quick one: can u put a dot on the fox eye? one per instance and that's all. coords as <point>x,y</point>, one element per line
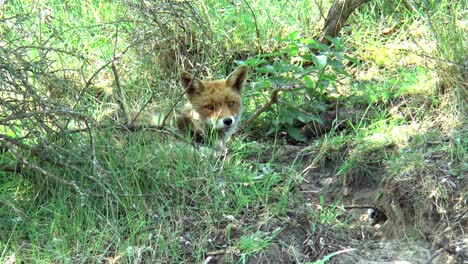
<point>231,103</point>
<point>209,107</point>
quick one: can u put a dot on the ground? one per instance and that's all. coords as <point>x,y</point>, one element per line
<point>299,242</point>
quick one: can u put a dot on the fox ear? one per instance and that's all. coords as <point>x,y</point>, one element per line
<point>236,80</point>
<point>191,84</point>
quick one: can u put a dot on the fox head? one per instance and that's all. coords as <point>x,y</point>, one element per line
<point>217,102</point>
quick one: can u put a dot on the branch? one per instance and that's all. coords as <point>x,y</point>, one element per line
<point>178,99</point>
<point>273,100</point>
<point>337,16</point>
<point>23,115</point>
<point>257,31</point>
<point>115,58</point>
<point>34,167</point>
<point>121,99</point>
<point>10,142</point>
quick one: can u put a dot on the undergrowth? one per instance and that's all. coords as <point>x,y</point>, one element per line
<point>72,190</point>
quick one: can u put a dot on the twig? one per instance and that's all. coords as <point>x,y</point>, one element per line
<point>207,260</point>
<point>320,8</point>
<point>39,154</point>
<point>257,31</point>
<point>107,126</point>
<point>158,128</point>
<point>437,253</point>
<point>23,160</point>
<point>116,57</point>
<point>141,109</point>
<point>410,7</point>
<point>12,169</point>
<point>121,100</point>
<point>166,117</point>
<point>71,53</point>
<point>216,252</point>
<point>181,95</point>
<point>23,115</point>
<point>17,210</point>
<point>273,100</point>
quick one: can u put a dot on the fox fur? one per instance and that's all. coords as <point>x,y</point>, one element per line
<point>213,110</point>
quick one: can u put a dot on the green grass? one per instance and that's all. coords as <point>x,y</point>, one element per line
<point>159,196</point>
<point>255,243</point>
<point>160,199</point>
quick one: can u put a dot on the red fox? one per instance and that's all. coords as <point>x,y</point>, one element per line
<point>212,112</point>
<point>215,107</point>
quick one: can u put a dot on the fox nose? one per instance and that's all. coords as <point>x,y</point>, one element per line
<point>228,121</point>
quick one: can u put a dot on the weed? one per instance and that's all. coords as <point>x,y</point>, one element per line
<point>255,242</point>
<point>305,78</point>
<point>329,256</point>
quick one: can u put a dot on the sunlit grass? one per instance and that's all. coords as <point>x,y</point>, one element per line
<point>166,200</point>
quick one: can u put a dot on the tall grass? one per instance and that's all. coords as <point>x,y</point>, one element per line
<point>153,198</point>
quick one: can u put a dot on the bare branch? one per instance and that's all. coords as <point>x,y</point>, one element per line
<point>273,100</point>
<point>337,16</point>
<point>50,175</point>
<point>121,100</point>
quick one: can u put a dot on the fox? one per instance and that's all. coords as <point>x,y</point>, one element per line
<point>213,109</point>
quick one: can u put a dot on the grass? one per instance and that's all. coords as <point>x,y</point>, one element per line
<point>254,243</point>
<point>155,198</point>
<point>159,199</point>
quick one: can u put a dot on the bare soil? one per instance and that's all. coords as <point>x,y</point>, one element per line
<point>301,241</point>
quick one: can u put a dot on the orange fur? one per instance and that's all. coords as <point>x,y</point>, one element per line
<point>214,107</point>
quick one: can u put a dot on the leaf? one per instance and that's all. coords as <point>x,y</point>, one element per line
<point>352,59</point>
<point>320,106</point>
<point>308,41</point>
<point>266,69</point>
<point>337,66</point>
<point>309,81</point>
<point>292,50</point>
<point>263,83</point>
<point>318,46</point>
<point>306,118</point>
<point>288,116</point>
<point>320,61</point>
<point>337,41</point>
<point>293,36</point>
<point>252,62</point>
<point>282,67</point>
<point>296,134</point>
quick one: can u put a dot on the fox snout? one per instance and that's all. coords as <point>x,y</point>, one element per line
<point>226,123</point>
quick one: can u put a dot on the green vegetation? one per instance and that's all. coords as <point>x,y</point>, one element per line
<point>76,189</point>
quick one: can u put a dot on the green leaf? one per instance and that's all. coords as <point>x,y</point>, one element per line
<point>296,134</point>
<point>252,62</point>
<point>318,46</point>
<point>309,81</point>
<point>266,69</point>
<point>320,106</point>
<point>292,50</point>
<point>293,36</point>
<point>337,66</point>
<point>320,61</point>
<point>288,116</point>
<point>306,118</point>
<point>351,59</point>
